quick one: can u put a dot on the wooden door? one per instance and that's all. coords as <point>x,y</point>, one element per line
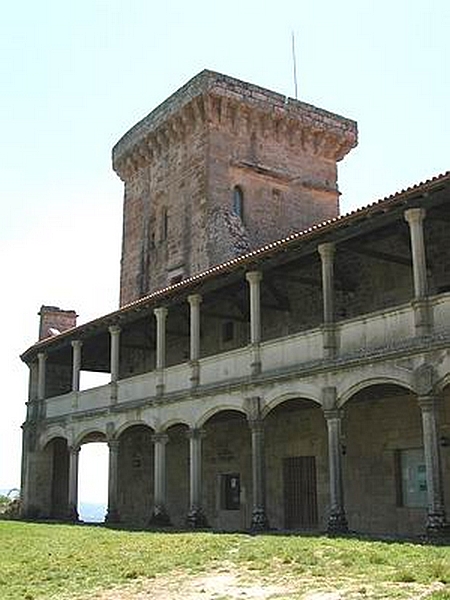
<point>300,492</point>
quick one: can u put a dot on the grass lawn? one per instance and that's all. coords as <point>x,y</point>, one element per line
<point>66,562</point>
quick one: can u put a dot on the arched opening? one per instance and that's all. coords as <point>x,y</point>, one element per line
<point>444,444</point>
<point>93,481</point>
<point>58,462</point>
<point>177,469</point>
<point>297,489</point>
<point>383,463</point>
<point>227,470</point>
<point>136,475</point>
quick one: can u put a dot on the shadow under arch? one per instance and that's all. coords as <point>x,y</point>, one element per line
<point>381,445</point>
<point>45,439</point>
<point>288,398</point>
<point>56,452</point>
<point>135,473</point>
<point>295,439</point>
<point>171,423</point>
<point>212,412</point>
<point>390,384</point>
<point>130,424</point>
<point>90,436</point>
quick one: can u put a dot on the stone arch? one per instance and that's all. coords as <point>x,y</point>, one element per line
<point>286,397</point>
<point>48,436</point>
<point>359,386</point>
<point>135,473</point>
<point>128,424</point>
<point>227,473</point>
<point>443,383</point>
<point>166,425</point>
<point>177,471</point>
<point>209,414</point>
<point>296,456</point>
<point>89,435</point>
<point>381,430</point>
<point>57,450</point>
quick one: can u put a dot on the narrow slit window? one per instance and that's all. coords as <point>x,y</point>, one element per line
<point>164,224</point>
<point>238,202</point>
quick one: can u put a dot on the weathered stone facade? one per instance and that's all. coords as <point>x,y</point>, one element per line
<point>183,163</point>
<point>302,385</point>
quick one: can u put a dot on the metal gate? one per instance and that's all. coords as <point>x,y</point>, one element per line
<point>300,492</point>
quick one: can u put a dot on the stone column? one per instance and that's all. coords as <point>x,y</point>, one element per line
<point>160,516</point>
<point>436,518</point>
<point>74,453</point>
<point>112,514</point>
<point>114,332</point>
<point>326,251</point>
<point>161,316</point>
<point>254,280</point>
<point>414,218</point>
<point>42,357</point>
<point>259,518</point>
<point>194,304</point>
<point>337,521</point>
<point>195,518</point>
<point>76,364</point>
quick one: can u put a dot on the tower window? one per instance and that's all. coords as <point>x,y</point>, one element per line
<point>164,224</point>
<point>238,202</point>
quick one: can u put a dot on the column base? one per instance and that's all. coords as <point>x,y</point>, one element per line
<point>195,373</point>
<point>159,518</point>
<point>337,523</point>
<point>73,515</point>
<point>112,516</point>
<point>260,521</point>
<point>329,340</point>
<point>437,526</point>
<point>196,519</point>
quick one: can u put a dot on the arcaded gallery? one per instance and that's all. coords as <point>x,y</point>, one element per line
<point>272,365</point>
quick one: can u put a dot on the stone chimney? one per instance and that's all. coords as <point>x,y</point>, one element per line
<point>55,320</point>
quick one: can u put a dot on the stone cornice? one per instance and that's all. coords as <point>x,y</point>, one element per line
<point>213,98</point>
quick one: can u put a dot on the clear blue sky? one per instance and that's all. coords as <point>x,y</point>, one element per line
<point>76,75</point>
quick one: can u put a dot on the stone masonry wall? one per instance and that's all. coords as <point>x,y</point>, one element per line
<point>182,162</point>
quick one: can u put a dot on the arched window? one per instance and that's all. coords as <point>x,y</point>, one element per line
<point>238,202</point>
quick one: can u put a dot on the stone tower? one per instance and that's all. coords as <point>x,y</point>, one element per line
<point>219,168</point>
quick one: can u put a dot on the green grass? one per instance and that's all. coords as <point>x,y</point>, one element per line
<point>62,561</point>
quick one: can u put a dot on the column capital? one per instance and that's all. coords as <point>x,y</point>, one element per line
<point>74,449</point>
<point>326,251</point>
<point>160,312</point>
<point>76,344</point>
<point>428,402</point>
<point>195,433</point>
<point>194,299</point>
<point>160,438</point>
<point>256,424</point>
<point>114,329</point>
<point>414,215</point>
<point>331,414</point>
<point>252,407</point>
<point>42,356</point>
<point>113,445</point>
<point>253,277</point>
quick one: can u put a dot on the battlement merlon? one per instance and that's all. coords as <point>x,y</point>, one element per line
<point>210,95</point>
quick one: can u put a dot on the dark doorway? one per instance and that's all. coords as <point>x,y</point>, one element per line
<point>300,492</point>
